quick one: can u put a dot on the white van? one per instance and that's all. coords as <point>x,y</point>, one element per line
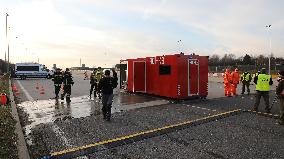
<point>31,70</point>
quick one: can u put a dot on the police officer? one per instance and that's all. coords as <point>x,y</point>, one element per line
<point>67,82</point>
<point>57,79</point>
<point>99,75</point>
<point>106,86</point>
<point>280,93</point>
<point>246,79</point>
<point>263,82</point>
<point>93,83</point>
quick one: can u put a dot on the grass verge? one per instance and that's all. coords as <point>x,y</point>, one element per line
<point>8,138</point>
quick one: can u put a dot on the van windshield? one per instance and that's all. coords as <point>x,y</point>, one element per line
<point>27,68</point>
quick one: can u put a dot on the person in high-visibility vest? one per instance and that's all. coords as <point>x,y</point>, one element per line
<point>227,83</point>
<point>246,79</point>
<point>99,76</point>
<point>280,93</point>
<point>235,81</point>
<point>263,82</point>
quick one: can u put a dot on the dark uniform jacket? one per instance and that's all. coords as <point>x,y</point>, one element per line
<point>57,78</point>
<point>107,84</point>
<point>93,79</point>
<point>280,88</point>
<point>67,78</point>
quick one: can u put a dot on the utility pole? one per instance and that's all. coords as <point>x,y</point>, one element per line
<point>80,63</point>
<point>8,61</point>
<point>269,56</point>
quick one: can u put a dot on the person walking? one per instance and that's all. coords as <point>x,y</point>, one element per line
<point>106,86</point>
<point>67,82</point>
<point>93,83</point>
<point>57,79</point>
<point>235,81</point>
<point>280,94</point>
<point>227,83</point>
<point>99,75</point>
<point>263,82</point>
<point>246,79</point>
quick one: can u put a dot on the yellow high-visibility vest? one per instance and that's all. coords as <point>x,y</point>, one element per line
<point>263,82</point>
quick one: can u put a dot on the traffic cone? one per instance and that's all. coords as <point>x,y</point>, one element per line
<point>17,93</point>
<point>14,88</point>
<point>42,90</point>
<point>37,87</point>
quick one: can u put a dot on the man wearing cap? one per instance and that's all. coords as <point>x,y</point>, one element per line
<point>57,79</point>
<point>235,81</point>
<point>246,79</point>
<point>280,93</point>
<point>67,82</point>
<point>263,82</point>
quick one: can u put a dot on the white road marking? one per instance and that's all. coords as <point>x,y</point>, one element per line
<point>56,129</point>
<point>29,97</point>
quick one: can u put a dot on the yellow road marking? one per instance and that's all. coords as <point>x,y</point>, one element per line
<point>137,134</point>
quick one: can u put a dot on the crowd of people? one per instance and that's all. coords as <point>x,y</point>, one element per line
<point>102,85</point>
<point>262,81</point>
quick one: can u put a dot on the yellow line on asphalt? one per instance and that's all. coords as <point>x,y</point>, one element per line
<point>138,134</point>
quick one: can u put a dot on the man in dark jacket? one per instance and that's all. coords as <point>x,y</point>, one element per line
<point>280,93</point>
<point>106,86</point>
<point>67,82</point>
<point>246,79</point>
<point>93,83</point>
<point>57,79</point>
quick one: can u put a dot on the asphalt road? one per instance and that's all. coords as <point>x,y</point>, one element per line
<point>54,127</point>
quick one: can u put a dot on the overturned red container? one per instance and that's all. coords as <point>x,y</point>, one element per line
<point>175,76</point>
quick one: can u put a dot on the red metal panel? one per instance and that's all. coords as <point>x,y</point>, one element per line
<point>203,61</point>
<point>139,76</point>
<point>168,83</point>
<point>151,75</point>
<point>130,75</point>
<point>182,75</point>
<point>193,76</point>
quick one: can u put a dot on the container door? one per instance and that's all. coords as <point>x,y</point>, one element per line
<point>139,73</point>
<point>193,77</point>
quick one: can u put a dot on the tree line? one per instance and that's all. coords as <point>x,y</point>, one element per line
<point>231,60</point>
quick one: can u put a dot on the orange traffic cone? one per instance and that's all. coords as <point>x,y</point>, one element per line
<point>42,90</point>
<point>17,93</point>
<point>37,87</point>
<point>14,88</point>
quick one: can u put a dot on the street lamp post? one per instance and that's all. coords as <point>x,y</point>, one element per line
<point>269,56</point>
<point>179,42</point>
<point>8,60</point>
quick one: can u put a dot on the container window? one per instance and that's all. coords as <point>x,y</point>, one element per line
<point>165,69</point>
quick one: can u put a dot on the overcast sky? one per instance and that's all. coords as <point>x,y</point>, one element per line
<point>101,32</point>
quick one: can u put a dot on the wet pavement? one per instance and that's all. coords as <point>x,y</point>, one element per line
<point>55,125</point>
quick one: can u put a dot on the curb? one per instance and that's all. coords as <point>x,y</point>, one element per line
<point>23,152</point>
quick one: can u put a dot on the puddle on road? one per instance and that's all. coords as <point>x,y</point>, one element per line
<point>45,111</point>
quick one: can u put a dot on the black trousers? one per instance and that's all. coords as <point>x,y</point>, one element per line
<point>245,84</point>
<point>265,95</point>
<point>57,89</point>
<point>107,102</point>
<point>94,87</point>
<point>66,91</point>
